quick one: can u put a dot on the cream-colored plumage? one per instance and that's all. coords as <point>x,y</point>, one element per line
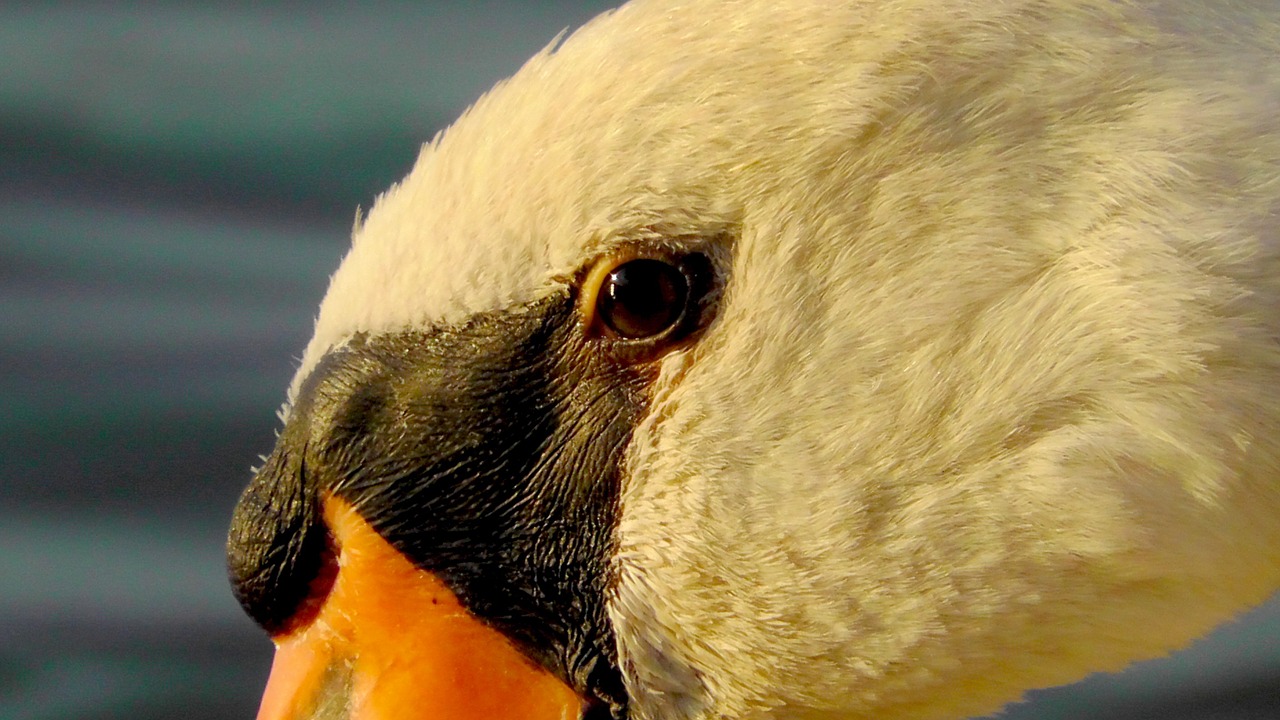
<point>990,401</point>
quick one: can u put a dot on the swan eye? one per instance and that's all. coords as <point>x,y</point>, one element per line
<point>642,298</point>
<point>640,303</point>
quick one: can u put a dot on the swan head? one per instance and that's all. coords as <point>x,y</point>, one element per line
<point>803,360</point>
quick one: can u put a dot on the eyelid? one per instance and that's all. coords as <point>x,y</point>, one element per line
<point>591,285</point>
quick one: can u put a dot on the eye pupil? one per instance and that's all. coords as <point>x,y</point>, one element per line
<point>642,298</point>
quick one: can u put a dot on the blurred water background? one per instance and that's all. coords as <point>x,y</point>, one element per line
<point>177,181</point>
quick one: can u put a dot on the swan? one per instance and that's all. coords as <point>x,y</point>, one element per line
<point>793,359</point>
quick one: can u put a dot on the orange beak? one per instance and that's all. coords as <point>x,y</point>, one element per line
<point>390,642</point>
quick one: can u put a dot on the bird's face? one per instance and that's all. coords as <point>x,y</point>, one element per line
<point>769,360</point>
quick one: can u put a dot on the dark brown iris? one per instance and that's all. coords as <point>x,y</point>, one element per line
<point>642,298</point>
